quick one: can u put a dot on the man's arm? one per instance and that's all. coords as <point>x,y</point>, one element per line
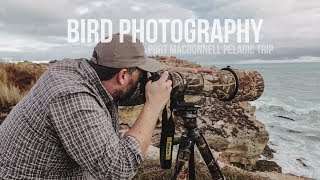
<point>86,132</point>
<point>157,94</point>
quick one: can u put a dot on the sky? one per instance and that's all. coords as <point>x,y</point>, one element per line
<point>37,29</point>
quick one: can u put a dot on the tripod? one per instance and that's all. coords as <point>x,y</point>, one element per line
<point>191,137</point>
<point>188,112</point>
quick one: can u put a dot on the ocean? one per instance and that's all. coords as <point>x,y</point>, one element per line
<point>292,90</point>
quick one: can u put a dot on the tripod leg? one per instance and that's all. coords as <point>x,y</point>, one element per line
<point>192,168</point>
<point>209,158</point>
<point>183,155</point>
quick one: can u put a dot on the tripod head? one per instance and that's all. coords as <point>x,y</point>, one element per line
<point>188,112</point>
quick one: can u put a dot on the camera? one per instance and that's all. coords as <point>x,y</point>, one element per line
<point>226,84</point>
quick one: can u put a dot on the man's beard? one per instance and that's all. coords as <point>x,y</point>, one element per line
<point>125,93</point>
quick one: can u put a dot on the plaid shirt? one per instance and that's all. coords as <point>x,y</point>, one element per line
<point>65,127</point>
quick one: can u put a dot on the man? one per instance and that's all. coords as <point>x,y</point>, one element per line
<point>67,125</point>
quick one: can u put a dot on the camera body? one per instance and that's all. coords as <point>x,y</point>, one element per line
<point>155,76</point>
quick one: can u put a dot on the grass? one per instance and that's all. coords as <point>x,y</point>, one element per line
<point>15,81</point>
<point>9,96</point>
<point>150,169</point>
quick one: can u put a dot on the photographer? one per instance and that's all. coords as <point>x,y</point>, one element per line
<point>66,127</point>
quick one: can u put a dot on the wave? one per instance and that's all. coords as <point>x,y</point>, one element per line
<point>305,59</point>
<point>275,105</point>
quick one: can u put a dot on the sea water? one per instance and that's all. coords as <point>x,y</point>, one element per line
<point>291,90</point>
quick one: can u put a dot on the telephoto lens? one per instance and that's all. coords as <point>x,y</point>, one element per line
<point>226,84</point>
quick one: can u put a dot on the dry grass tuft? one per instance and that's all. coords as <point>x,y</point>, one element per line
<point>15,81</point>
<point>150,169</point>
<point>9,96</point>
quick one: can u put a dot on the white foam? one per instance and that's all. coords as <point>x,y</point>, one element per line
<point>292,105</point>
<point>295,144</point>
<point>40,61</point>
<point>305,59</point>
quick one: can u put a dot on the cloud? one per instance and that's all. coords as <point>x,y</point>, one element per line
<point>291,26</point>
<point>37,29</point>
<point>40,25</point>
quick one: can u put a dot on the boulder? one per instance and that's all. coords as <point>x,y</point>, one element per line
<point>269,166</point>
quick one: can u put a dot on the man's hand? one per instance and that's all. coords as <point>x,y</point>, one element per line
<point>158,92</point>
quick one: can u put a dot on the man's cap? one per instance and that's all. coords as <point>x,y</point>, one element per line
<point>126,54</point>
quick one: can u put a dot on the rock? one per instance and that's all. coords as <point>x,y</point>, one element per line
<point>243,137</point>
<point>293,131</point>
<point>269,166</point>
<point>281,176</point>
<point>268,152</point>
<point>301,162</point>
<point>284,117</point>
<point>53,61</point>
<point>128,115</point>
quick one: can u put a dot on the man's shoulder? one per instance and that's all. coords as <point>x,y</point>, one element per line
<point>68,76</point>
<point>67,65</point>
<point>69,71</point>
